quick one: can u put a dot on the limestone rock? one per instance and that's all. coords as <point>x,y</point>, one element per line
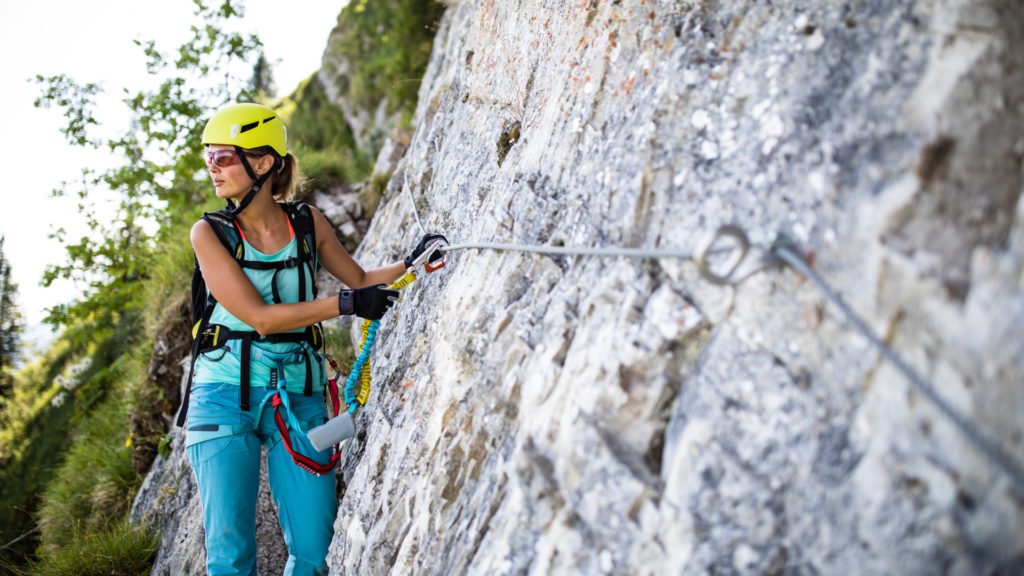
<point>537,414</point>
<point>575,415</point>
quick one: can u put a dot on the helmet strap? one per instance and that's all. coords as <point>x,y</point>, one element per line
<point>259,182</point>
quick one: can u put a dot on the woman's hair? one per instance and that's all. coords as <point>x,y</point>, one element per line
<point>287,181</point>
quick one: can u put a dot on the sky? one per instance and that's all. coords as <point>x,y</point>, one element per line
<point>92,42</point>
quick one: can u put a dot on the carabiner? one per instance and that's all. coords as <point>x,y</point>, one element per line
<point>423,258</point>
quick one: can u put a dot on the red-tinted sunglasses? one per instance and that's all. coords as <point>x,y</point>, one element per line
<point>224,158</point>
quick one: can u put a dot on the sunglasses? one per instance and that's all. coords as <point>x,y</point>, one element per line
<point>224,158</point>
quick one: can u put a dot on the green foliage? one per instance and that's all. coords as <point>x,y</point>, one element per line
<point>10,325</point>
<point>81,505</point>
<point>32,436</point>
<point>170,269</point>
<point>121,550</point>
<point>313,121</point>
<point>87,495</point>
<point>338,343</point>
<point>321,138</point>
<point>323,169</point>
<point>262,82</point>
<point>371,195</point>
<point>388,43</point>
<point>76,101</point>
<point>158,180</point>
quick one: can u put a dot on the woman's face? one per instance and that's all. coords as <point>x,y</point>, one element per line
<point>227,173</point>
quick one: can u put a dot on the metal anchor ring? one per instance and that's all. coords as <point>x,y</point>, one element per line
<point>739,261</point>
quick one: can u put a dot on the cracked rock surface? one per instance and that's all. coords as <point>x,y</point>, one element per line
<point>561,414</point>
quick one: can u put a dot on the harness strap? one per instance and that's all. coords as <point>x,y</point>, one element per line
<point>183,411</point>
<point>197,341</point>
<point>246,369</point>
<point>275,294</point>
<point>302,461</point>
<point>307,390</point>
<point>222,335</point>
<point>204,432</point>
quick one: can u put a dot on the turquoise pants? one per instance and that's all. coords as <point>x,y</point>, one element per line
<point>224,451</point>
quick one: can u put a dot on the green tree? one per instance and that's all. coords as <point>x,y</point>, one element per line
<point>262,82</point>
<point>10,324</point>
<point>158,196</point>
<point>156,186</point>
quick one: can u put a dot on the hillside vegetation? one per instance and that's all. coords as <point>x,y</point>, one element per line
<point>84,421</point>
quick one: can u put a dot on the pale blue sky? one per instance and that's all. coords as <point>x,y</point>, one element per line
<point>92,42</point>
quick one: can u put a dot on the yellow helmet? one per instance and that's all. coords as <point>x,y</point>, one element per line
<point>247,126</point>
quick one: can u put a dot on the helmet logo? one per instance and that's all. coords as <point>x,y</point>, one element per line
<point>235,129</point>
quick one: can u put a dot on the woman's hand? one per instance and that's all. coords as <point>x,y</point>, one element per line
<point>422,246</point>
<point>370,302</point>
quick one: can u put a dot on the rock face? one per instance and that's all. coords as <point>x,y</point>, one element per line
<point>538,414</point>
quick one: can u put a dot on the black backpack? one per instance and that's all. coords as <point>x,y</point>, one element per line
<point>206,336</point>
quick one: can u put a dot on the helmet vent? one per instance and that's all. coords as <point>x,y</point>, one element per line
<point>249,126</point>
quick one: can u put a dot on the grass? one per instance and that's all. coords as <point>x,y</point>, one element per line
<point>122,549</point>
<point>65,468</point>
<point>93,489</point>
<point>339,345</point>
<point>390,43</point>
<point>326,168</point>
<point>170,276</point>
<point>62,492</point>
<point>32,438</point>
<point>371,194</point>
<point>313,121</point>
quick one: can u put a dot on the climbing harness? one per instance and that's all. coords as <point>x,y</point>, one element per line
<point>280,398</point>
<point>207,337</point>
<point>357,386</point>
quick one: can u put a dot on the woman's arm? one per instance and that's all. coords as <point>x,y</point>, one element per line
<point>233,290</point>
<point>336,260</point>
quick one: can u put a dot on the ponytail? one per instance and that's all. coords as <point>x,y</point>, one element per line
<point>287,182</point>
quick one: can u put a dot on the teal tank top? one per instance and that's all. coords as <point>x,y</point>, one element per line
<point>287,359</point>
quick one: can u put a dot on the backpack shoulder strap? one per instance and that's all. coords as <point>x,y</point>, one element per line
<point>301,217</point>
<point>203,301</point>
<point>224,227</point>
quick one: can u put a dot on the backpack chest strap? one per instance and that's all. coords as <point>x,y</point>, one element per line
<point>279,265</point>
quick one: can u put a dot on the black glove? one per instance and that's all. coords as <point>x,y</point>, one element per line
<point>370,302</point>
<point>427,239</point>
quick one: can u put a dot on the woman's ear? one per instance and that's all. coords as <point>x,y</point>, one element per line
<point>265,164</point>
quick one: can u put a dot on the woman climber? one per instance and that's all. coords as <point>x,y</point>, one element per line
<point>258,377</point>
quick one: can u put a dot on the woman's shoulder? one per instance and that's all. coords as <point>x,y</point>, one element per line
<point>214,230</point>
